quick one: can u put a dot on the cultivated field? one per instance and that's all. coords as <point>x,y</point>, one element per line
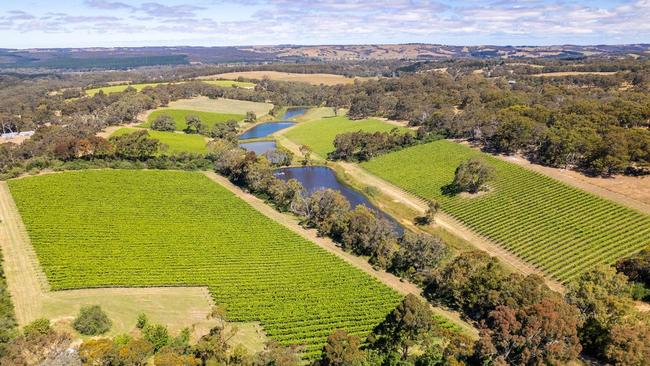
<point>319,134</point>
<point>179,115</point>
<point>176,142</point>
<point>314,79</point>
<point>139,87</point>
<point>222,105</point>
<point>561,229</point>
<point>112,228</point>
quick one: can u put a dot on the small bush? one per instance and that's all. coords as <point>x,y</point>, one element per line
<point>92,320</point>
<point>163,122</point>
<point>142,321</point>
<point>157,335</point>
<point>37,327</point>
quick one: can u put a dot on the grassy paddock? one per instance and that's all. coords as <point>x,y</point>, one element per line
<point>176,142</point>
<point>222,105</point>
<point>562,230</point>
<point>319,134</point>
<point>115,228</point>
<point>207,118</point>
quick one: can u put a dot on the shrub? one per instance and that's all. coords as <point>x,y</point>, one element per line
<point>92,320</point>
<point>142,321</point>
<point>37,327</point>
<point>250,117</point>
<point>157,335</point>
<point>163,123</point>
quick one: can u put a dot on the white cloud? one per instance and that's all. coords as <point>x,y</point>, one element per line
<point>349,21</point>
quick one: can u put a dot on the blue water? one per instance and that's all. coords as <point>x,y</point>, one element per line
<point>293,112</point>
<point>259,147</point>
<point>265,129</point>
<point>314,178</point>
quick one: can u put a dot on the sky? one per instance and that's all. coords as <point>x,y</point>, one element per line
<point>111,23</point>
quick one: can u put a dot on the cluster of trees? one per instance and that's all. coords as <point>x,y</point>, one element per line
<point>154,340</point>
<point>410,335</point>
<point>637,269</point>
<point>61,150</point>
<point>41,344</point>
<point>472,176</point>
<point>600,131</point>
<point>362,146</point>
<point>522,321</point>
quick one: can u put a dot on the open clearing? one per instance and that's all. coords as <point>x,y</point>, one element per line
<point>178,115</point>
<point>319,134</point>
<point>574,73</point>
<point>562,230</point>
<point>314,79</point>
<point>113,228</point>
<point>222,105</point>
<point>139,87</point>
<point>176,142</point>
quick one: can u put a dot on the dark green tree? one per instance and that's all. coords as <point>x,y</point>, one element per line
<point>410,324</point>
<point>92,320</point>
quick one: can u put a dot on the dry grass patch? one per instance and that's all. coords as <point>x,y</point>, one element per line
<point>222,105</point>
<point>314,79</point>
<point>574,73</point>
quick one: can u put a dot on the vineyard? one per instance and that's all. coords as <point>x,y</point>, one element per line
<point>319,134</point>
<point>560,229</point>
<point>165,228</point>
<point>207,118</point>
<point>176,142</point>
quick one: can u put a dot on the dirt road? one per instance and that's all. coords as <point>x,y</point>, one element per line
<point>399,285</point>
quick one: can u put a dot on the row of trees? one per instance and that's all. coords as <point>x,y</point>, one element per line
<point>362,146</point>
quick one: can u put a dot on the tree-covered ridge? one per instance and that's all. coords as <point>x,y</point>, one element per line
<point>161,228</point>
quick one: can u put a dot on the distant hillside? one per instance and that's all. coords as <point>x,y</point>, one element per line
<point>130,57</point>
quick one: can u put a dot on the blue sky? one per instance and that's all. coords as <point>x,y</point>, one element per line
<point>107,23</point>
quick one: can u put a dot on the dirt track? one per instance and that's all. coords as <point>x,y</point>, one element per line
<point>25,280</point>
<point>403,287</point>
